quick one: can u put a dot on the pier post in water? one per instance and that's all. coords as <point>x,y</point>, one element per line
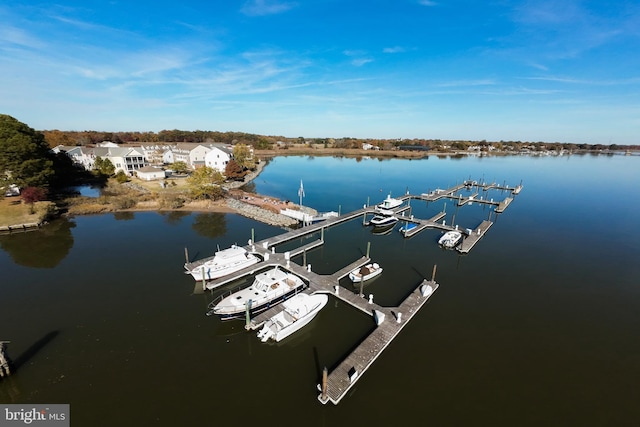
<point>204,280</point>
<point>433,273</point>
<point>324,383</point>
<point>368,248</point>
<point>248,315</point>
<point>186,255</point>
<point>5,368</point>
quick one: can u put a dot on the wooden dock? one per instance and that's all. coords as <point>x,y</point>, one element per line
<point>5,362</point>
<point>389,320</point>
<point>474,237</point>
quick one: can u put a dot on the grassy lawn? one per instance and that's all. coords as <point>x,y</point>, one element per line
<point>14,212</point>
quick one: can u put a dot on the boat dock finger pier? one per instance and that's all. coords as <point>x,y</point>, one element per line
<point>389,320</point>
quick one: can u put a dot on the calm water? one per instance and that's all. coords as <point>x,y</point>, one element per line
<point>538,325</point>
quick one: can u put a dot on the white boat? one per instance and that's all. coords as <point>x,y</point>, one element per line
<point>365,272</point>
<point>223,262</point>
<point>408,227</point>
<point>296,312</point>
<point>268,288</point>
<point>389,203</point>
<point>450,239</point>
<point>383,220</point>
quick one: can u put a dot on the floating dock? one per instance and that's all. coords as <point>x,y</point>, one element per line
<point>389,320</point>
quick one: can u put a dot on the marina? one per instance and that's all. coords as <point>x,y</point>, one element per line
<point>520,325</point>
<point>389,320</point>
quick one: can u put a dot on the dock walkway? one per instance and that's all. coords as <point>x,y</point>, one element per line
<point>389,320</point>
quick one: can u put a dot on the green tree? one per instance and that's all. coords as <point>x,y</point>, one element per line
<point>243,157</point>
<point>179,167</point>
<point>104,166</point>
<point>204,183</point>
<point>25,158</point>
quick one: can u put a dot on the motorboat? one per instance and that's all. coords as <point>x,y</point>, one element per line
<point>365,272</point>
<point>296,312</point>
<point>383,220</point>
<point>407,227</point>
<point>389,203</point>
<point>268,288</point>
<point>222,263</point>
<point>450,239</point>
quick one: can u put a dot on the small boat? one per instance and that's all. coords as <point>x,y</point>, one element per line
<point>450,239</point>
<point>268,288</point>
<point>383,220</point>
<point>223,262</point>
<point>389,203</point>
<point>296,312</point>
<point>365,272</point>
<point>407,227</point>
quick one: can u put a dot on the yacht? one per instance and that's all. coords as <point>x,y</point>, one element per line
<point>223,262</point>
<point>296,312</point>
<point>268,288</point>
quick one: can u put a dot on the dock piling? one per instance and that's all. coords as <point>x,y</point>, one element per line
<point>324,384</point>
<point>433,273</point>
<point>186,255</point>
<point>247,325</point>
<point>5,364</point>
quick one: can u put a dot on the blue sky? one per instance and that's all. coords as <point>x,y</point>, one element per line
<point>566,71</point>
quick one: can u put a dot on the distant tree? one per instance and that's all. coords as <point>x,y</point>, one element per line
<point>55,138</point>
<point>104,166</point>
<point>234,171</point>
<point>204,183</point>
<point>179,167</point>
<point>25,158</point>
<point>31,195</point>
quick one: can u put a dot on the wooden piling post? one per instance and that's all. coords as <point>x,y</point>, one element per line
<point>368,248</point>
<point>322,234</point>
<point>433,274</point>
<point>5,364</point>
<point>252,236</point>
<point>247,325</point>
<point>186,255</point>
<point>204,280</point>
<point>325,375</point>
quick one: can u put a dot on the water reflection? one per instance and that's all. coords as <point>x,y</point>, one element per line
<point>174,217</point>
<point>43,248</point>
<point>210,224</point>
<point>124,216</point>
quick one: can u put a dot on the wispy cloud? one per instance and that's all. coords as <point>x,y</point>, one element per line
<point>427,2</point>
<point>359,62</point>
<point>394,49</point>
<point>467,83</point>
<point>266,7</point>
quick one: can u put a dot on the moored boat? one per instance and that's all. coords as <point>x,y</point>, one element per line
<point>365,272</point>
<point>296,312</point>
<point>407,227</point>
<point>383,220</point>
<point>268,288</point>
<point>450,239</point>
<point>389,203</point>
<point>222,263</point>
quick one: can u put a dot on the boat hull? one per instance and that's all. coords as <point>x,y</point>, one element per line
<point>278,328</point>
<point>370,271</point>
<point>213,273</point>
<point>268,289</point>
